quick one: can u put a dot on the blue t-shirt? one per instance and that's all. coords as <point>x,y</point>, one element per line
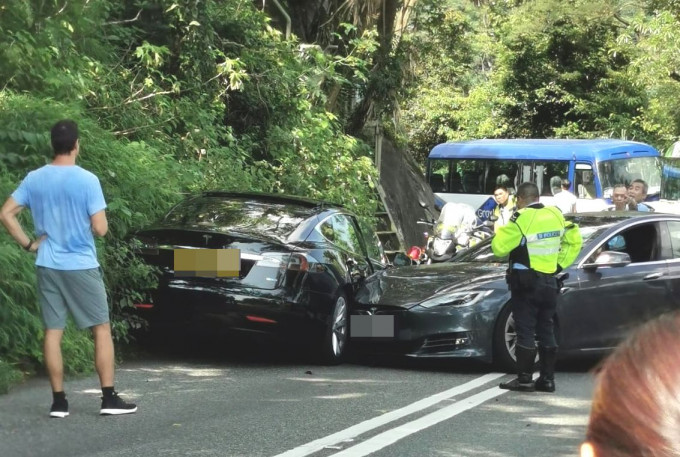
<point>642,207</point>
<point>61,200</point>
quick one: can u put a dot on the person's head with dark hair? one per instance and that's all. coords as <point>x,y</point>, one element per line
<point>638,190</point>
<point>527,193</point>
<point>566,184</point>
<point>503,180</point>
<point>64,137</point>
<point>620,198</point>
<point>501,194</point>
<point>636,402</point>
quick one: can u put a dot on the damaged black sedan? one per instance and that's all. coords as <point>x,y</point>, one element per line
<point>628,272</point>
<point>298,263</point>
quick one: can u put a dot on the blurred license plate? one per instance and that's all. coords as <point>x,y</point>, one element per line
<point>371,326</point>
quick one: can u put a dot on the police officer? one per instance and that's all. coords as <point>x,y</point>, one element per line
<point>540,243</point>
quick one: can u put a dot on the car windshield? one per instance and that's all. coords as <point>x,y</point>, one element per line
<point>590,226</point>
<point>238,214</point>
<point>624,171</point>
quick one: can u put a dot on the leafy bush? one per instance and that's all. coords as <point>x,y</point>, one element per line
<point>171,97</point>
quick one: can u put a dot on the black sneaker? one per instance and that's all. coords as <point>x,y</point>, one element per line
<point>59,408</point>
<point>115,405</point>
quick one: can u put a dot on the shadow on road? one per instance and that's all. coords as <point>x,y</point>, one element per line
<point>213,345</point>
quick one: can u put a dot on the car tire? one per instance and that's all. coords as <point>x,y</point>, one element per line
<point>336,335</point>
<point>504,341</point>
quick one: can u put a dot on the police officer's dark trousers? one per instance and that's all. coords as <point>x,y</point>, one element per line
<point>533,304</point>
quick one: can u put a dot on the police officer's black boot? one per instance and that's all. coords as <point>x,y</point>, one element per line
<point>525,368</point>
<point>547,358</point>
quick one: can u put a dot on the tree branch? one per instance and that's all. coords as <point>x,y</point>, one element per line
<point>125,21</point>
<point>621,20</point>
<point>165,92</point>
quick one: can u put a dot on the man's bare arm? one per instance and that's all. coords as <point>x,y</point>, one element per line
<point>8,217</point>
<point>100,225</point>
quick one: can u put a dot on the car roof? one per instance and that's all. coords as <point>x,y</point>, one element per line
<point>551,149</point>
<point>616,216</point>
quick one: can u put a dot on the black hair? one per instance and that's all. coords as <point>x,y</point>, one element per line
<point>528,191</point>
<point>566,183</point>
<point>64,136</point>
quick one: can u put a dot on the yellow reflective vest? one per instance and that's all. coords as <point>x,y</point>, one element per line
<point>538,237</point>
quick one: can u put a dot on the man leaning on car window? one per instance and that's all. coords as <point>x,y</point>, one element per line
<point>540,244</point>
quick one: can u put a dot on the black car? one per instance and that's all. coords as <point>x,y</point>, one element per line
<point>628,271</point>
<point>300,263</point>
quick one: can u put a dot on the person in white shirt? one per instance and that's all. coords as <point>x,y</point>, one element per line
<point>565,200</point>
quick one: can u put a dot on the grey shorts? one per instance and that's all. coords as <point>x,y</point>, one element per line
<point>80,292</point>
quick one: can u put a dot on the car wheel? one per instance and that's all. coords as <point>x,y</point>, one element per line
<point>505,340</point>
<point>334,345</point>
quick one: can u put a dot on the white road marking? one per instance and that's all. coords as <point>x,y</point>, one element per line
<point>370,424</point>
<point>393,435</point>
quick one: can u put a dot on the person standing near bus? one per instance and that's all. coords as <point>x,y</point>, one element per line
<point>638,190</point>
<point>565,200</point>
<point>540,244</point>
<point>621,200</point>
<point>506,205</point>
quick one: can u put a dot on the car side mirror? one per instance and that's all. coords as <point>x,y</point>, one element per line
<point>609,259</point>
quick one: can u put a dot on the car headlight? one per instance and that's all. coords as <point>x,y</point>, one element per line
<point>465,298</point>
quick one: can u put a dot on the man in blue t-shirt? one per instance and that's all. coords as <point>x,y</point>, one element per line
<point>68,208</point>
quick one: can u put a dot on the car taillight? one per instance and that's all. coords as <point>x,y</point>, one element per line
<point>263,271</point>
<point>273,269</point>
<point>298,262</point>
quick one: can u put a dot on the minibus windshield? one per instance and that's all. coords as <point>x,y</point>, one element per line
<point>624,171</point>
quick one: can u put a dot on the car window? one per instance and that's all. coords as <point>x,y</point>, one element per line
<point>641,243</point>
<point>340,230</point>
<point>674,235</point>
<point>238,214</point>
<point>372,242</point>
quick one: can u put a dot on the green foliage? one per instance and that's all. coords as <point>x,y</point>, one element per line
<point>9,375</point>
<point>171,97</point>
<point>655,68</point>
<point>544,68</point>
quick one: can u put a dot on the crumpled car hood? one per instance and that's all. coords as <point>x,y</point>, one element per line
<point>408,286</point>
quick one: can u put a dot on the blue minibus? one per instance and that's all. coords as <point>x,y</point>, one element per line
<point>468,171</point>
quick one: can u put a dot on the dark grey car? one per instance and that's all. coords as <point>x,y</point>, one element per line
<point>628,271</point>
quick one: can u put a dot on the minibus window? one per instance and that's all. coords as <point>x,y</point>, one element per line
<point>624,171</point>
<point>584,181</point>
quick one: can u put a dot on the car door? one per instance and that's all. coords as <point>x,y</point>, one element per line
<point>609,301</point>
<point>671,251</point>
